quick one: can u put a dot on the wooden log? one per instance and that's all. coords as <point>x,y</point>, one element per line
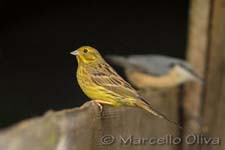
<point>84,128</point>
<point>167,102</point>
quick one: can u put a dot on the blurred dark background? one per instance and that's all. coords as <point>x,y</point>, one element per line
<point>37,73</point>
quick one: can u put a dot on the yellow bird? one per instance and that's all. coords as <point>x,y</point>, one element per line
<point>100,82</point>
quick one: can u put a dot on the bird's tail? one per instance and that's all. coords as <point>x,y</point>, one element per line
<point>146,106</point>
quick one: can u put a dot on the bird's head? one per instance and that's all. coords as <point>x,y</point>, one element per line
<point>87,54</point>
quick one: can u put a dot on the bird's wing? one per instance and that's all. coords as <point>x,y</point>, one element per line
<point>107,78</point>
<point>153,64</point>
<point>156,65</point>
<point>160,65</point>
<point>119,60</point>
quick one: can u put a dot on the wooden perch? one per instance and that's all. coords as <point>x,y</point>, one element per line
<point>84,128</point>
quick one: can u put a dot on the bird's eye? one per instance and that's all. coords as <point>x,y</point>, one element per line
<point>85,50</point>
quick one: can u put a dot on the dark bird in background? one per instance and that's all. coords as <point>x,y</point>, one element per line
<point>155,71</point>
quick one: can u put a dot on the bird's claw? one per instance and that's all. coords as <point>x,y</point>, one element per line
<point>99,105</point>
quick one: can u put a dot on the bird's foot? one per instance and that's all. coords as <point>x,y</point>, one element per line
<point>100,102</point>
<point>99,105</point>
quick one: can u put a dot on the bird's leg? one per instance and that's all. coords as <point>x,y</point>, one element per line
<point>99,105</point>
<point>100,102</point>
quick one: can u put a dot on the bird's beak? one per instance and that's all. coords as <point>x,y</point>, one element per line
<point>76,52</point>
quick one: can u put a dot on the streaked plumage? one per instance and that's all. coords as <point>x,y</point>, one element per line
<point>99,81</point>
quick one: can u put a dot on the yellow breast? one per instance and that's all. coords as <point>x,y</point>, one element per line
<point>96,92</point>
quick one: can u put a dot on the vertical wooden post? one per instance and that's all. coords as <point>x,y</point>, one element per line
<point>199,20</point>
<point>204,107</point>
<point>214,102</point>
